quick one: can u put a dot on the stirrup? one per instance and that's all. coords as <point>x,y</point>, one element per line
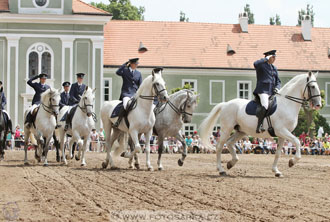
<point>116,124</point>
<point>66,127</point>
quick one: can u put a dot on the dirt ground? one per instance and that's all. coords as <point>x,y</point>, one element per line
<point>250,192</point>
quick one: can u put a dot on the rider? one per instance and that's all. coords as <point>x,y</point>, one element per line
<point>39,88</point>
<point>2,107</point>
<point>268,83</point>
<point>77,89</point>
<point>132,80</point>
<point>65,96</point>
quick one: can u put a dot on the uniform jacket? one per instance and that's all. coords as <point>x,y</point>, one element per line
<point>267,77</point>
<point>3,101</point>
<point>131,81</point>
<point>75,92</point>
<point>64,99</point>
<point>38,88</point>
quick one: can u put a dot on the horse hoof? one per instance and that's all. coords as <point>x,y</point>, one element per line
<point>160,168</point>
<point>137,166</point>
<point>114,168</point>
<point>291,163</point>
<point>180,162</point>
<point>58,159</point>
<point>77,158</point>
<point>26,163</point>
<point>104,165</point>
<point>83,164</point>
<point>223,174</point>
<point>229,165</point>
<point>45,164</point>
<point>122,154</point>
<point>278,175</point>
<point>150,169</point>
<point>130,167</point>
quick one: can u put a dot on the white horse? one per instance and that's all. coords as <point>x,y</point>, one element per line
<point>82,125</point>
<point>299,90</point>
<point>44,125</point>
<point>141,118</point>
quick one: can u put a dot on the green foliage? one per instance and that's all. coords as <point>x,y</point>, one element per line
<point>275,20</point>
<point>122,10</point>
<point>183,17</point>
<point>249,13</point>
<point>174,90</point>
<point>309,11</point>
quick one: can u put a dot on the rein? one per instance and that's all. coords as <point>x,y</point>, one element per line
<point>84,110</point>
<point>303,101</point>
<point>179,111</point>
<point>49,109</point>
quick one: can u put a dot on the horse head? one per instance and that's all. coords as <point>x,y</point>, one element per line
<point>189,106</point>
<point>159,86</point>
<point>51,99</point>
<point>87,100</point>
<point>312,91</point>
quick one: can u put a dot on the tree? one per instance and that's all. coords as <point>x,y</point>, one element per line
<point>249,13</point>
<point>183,17</point>
<point>275,20</point>
<point>122,10</point>
<point>309,11</point>
<point>310,120</point>
<point>174,90</point>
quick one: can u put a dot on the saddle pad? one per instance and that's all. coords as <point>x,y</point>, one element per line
<point>116,110</point>
<point>64,116</point>
<point>251,108</point>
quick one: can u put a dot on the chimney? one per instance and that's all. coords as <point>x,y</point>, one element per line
<point>306,27</point>
<point>243,21</point>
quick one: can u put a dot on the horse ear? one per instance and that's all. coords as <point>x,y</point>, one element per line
<point>316,74</point>
<point>94,90</point>
<point>153,73</point>
<point>86,88</point>
<point>310,73</point>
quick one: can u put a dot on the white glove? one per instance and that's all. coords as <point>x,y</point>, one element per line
<point>268,57</point>
<point>276,90</point>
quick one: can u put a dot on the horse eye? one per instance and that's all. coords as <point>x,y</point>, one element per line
<point>313,87</point>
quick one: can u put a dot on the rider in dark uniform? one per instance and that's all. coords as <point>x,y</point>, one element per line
<point>268,83</point>
<point>5,114</point>
<point>77,89</point>
<point>132,80</point>
<point>39,88</point>
<point>65,96</point>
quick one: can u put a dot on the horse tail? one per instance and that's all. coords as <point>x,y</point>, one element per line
<point>208,123</point>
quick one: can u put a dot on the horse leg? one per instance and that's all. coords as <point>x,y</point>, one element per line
<point>62,145</point>
<point>110,139</point>
<point>3,145</point>
<point>220,144</point>
<point>288,135</point>
<point>184,152</point>
<point>79,144</point>
<point>160,151</point>
<point>148,135</point>
<point>84,148</point>
<point>277,156</point>
<point>57,146</point>
<point>46,144</point>
<point>70,156</point>
<point>26,142</point>
<point>230,144</point>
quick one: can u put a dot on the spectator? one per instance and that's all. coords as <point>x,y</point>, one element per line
<point>166,145</point>
<point>18,137</point>
<point>189,143</point>
<point>320,132</point>
<point>247,145</point>
<point>217,135</point>
<point>239,146</point>
<point>101,139</point>
<point>196,144</point>
<point>303,136</point>
<point>94,140</point>
<point>8,141</point>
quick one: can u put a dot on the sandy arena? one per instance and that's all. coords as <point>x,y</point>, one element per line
<point>249,193</point>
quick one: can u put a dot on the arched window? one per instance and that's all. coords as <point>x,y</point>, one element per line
<point>41,3</point>
<point>40,60</point>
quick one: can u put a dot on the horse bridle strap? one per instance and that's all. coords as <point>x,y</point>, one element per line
<point>303,101</point>
<point>49,108</point>
<point>153,97</point>
<point>84,110</point>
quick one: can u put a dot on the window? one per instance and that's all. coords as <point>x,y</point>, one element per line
<point>244,89</point>
<point>107,96</point>
<point>189,129</point>
<point>40,3</point>
<point>215,129</point>
<point>40,60</point>
<point>191,82</point>
<point>217,91</point>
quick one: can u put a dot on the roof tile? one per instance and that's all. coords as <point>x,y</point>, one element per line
<point>82,7</point>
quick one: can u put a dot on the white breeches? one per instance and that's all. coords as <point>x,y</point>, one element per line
<point>264,99</point>
<point>5,111</point>
<point>125,101</point>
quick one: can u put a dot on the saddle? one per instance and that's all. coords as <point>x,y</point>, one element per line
<point>251,109</point>
<point>33,114</point>
<point>69,114</point>
<point>130,106</point>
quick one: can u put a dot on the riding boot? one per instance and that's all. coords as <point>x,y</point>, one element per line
<point>68,120</point>
<point>261,112</point>
<point>28,120</point>
<point>122,111</point>
<point>10,126</point>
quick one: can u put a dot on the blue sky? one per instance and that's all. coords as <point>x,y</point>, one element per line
<point>224,11</point>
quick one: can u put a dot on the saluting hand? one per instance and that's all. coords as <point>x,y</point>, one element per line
<point>268,57</point>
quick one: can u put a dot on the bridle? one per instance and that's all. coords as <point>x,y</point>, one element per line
<point>50,107</point>
<point>84,109</point>
<point>157,91</point>
<point>303,101</point>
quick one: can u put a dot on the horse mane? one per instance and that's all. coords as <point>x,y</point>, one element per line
<point>144,83</point>
<point>185,91</point>
<point>292,82</point>
<point>47,92</point>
